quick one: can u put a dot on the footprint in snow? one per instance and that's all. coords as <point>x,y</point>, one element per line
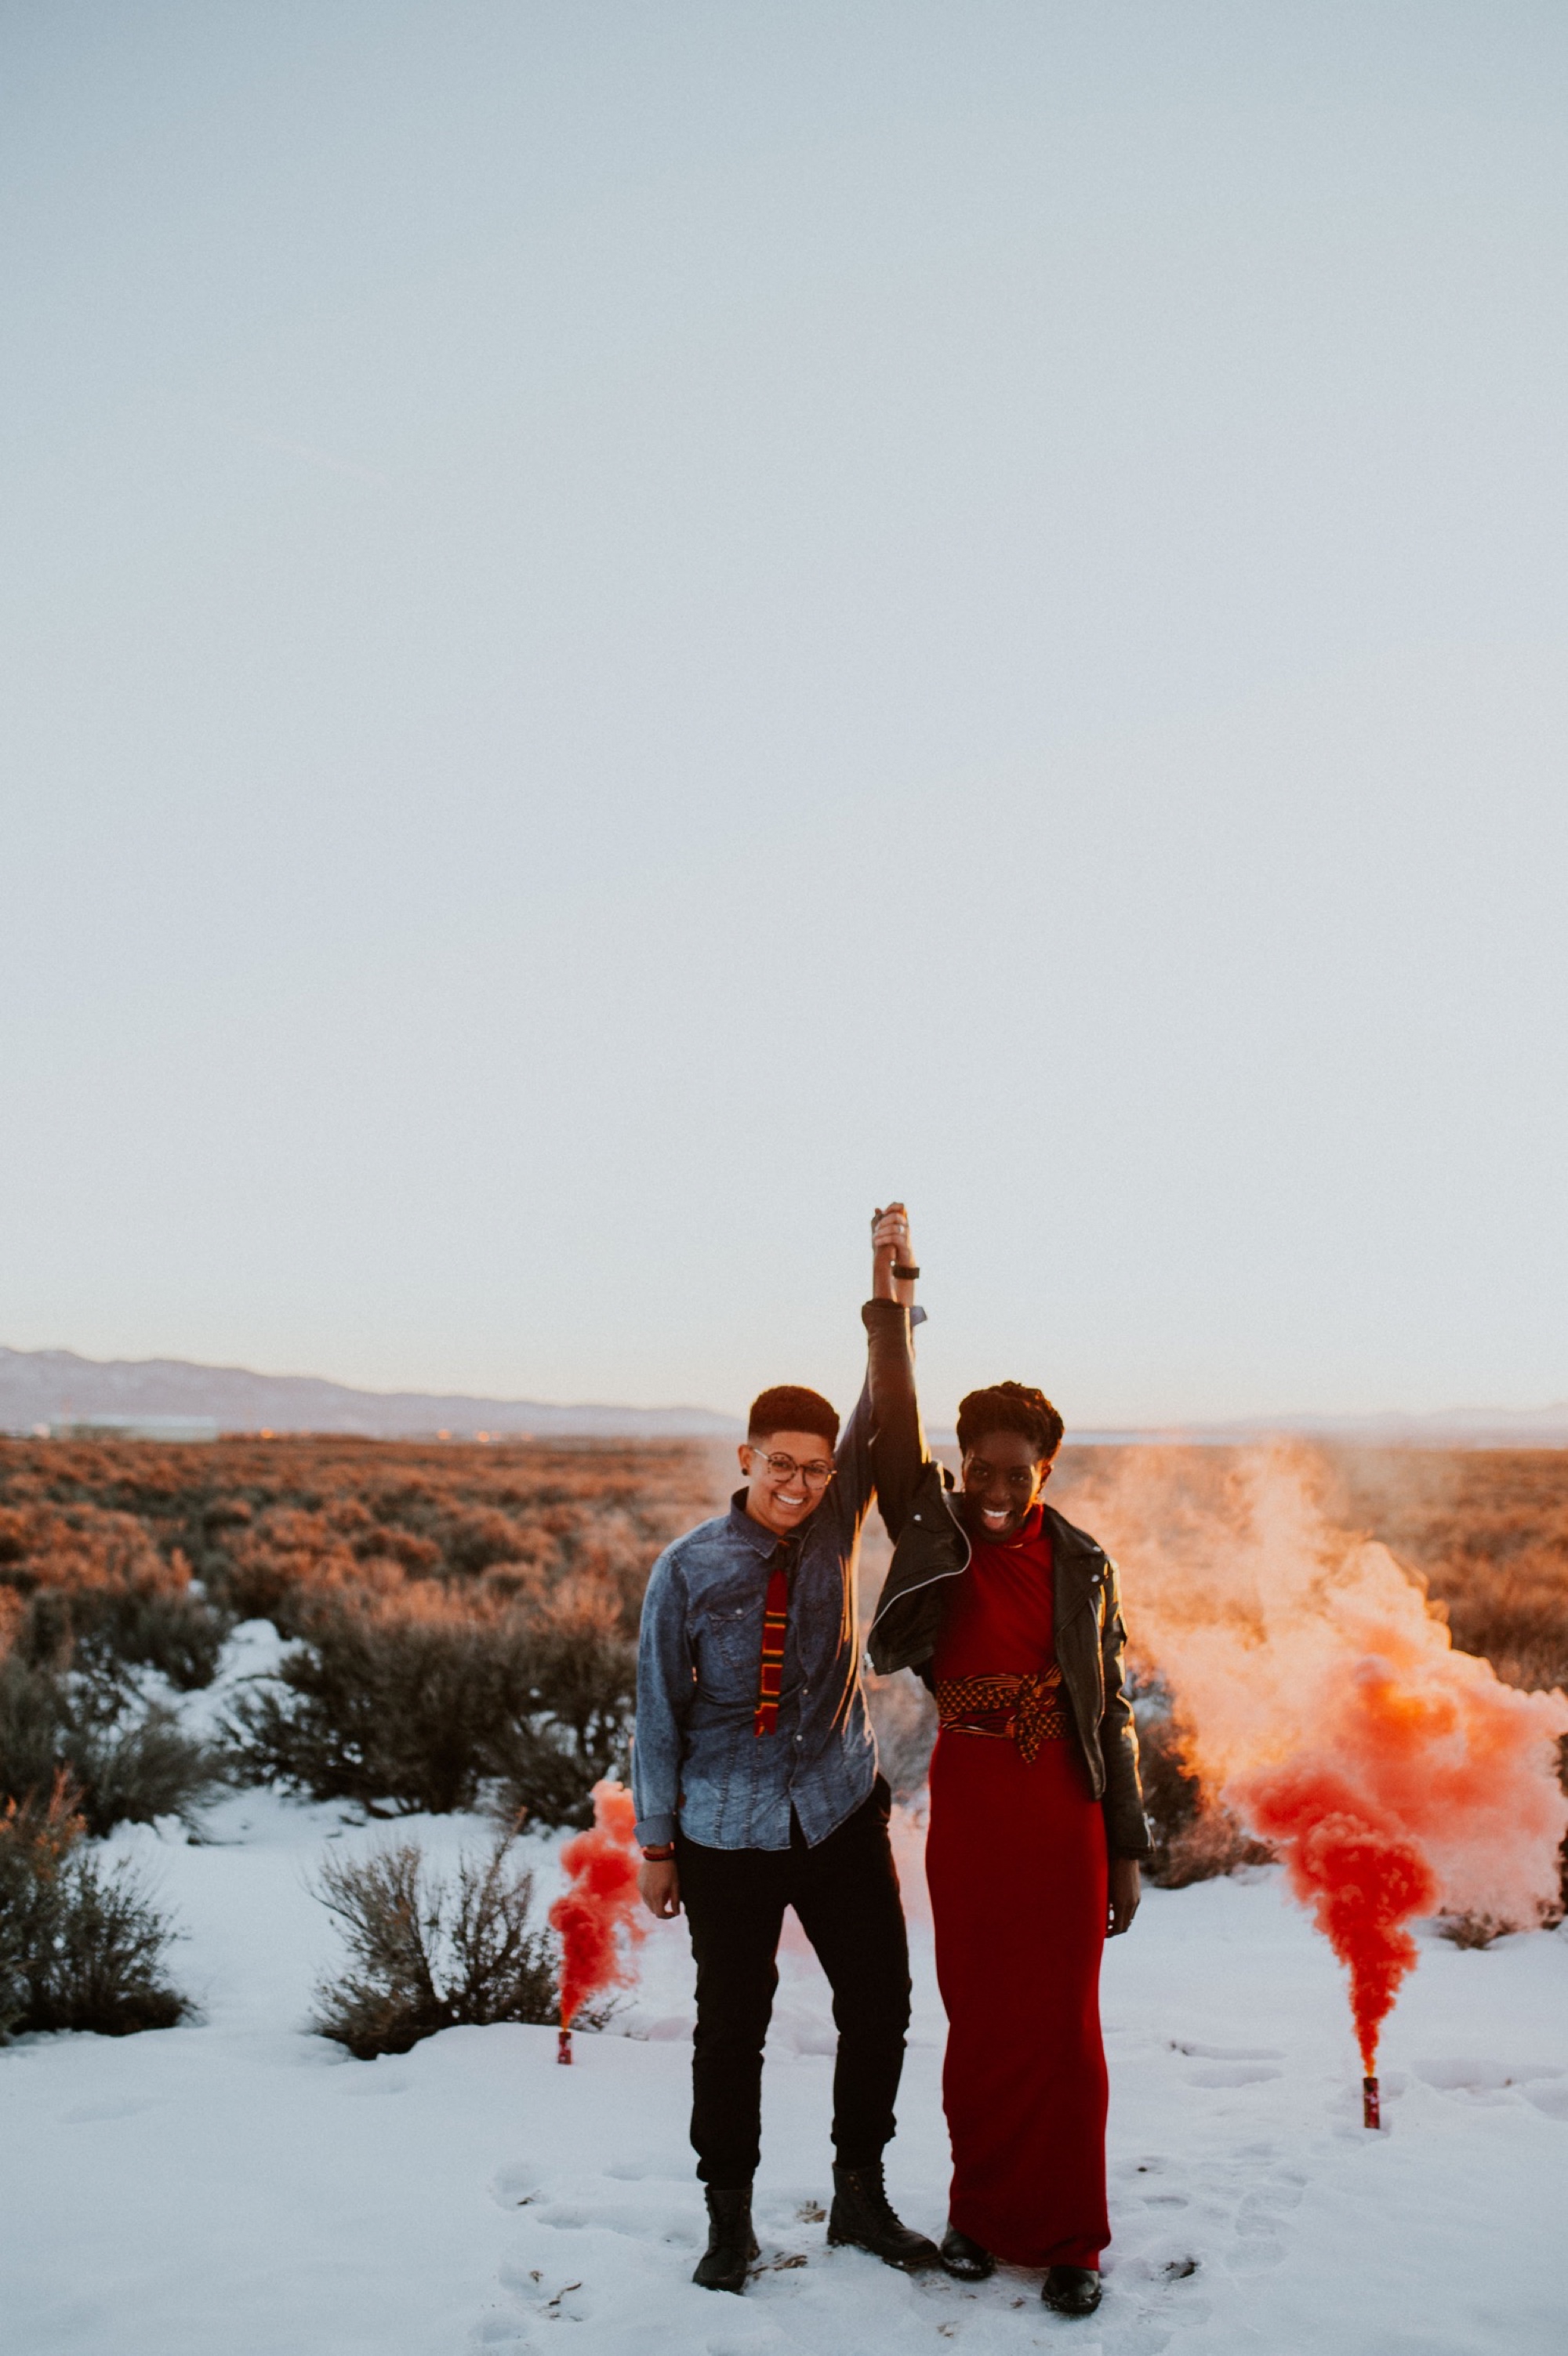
<point>1260,2222</point>
<point>514,2188</point>
<point>500,2332</point>
<point>1230,2065</point>
<point>96,2113</point>
<point>1544,2083</point>
<point>1227,2052</point>
<point>1178,2219</point>
<point>1261,2218</point>
<point>641,2169</point>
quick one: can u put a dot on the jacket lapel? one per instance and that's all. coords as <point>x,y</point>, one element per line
<point>1079,1569</point>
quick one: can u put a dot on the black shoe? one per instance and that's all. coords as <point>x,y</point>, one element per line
<point>1071,2290</point>
<point>965,2258</point>
<point>862,2217</point>
<point>731,2242</point>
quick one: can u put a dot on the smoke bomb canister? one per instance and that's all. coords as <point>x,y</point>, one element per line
<point>563,2048</point>
<point>1371,2108</point>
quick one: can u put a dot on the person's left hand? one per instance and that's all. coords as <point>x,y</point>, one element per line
<point>890,1242</point>
<point>658,1886</point>
<point>1126,1889</point>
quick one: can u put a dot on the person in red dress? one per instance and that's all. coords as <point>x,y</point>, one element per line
<point>1012,1617</point>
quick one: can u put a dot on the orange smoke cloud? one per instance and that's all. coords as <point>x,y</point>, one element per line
<point>1320,1698</point>
<point>597,1917</point>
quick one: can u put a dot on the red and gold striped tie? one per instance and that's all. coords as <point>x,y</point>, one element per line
<point>775,1619</point>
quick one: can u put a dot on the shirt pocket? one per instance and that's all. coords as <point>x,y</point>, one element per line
<point>729,1648</point>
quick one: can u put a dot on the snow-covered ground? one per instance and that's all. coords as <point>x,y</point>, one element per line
<point>239,2187</point>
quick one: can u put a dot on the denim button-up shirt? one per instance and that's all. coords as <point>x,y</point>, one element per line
<point>696,1759</point>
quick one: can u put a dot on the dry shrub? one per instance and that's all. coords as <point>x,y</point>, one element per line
<point>1472,1930</point>
<point>267,1525</point>
<point>127,1761</point>
<point>467,1615</point>
<point>77,1578</point>
<point>426,1954</point>
<point>1195,1838</point>
<point>417,1703</point>
<point>377,1706</point>
<point>81,1944</point>
<point>567,1724</point>
<point>1486,1529</point>
<point>90,1601</point>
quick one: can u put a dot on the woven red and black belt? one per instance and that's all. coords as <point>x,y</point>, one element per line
<point>1026,1711</point>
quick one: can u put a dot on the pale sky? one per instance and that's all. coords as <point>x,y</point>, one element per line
<point>629,628</point>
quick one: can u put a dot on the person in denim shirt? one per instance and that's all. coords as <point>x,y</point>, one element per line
<point>757,1787</point>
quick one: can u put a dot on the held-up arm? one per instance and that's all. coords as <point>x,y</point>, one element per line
<point>898,1450</point>
<point>889,1374</point>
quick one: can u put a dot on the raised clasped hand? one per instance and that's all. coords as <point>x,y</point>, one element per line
<point>890,1247</point>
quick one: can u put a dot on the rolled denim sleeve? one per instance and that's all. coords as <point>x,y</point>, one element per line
<point>666,1676</point>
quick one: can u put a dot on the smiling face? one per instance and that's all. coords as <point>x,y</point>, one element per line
<point>780,1501</point>
<point>1003,1478</point>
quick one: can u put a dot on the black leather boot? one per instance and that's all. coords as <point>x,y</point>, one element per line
<point>862,2219</point>
<point>732,2245</point>
<point>1071,2290</point>
<point>965,2258</point>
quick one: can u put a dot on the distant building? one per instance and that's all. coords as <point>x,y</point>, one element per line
<point>136,1427</point>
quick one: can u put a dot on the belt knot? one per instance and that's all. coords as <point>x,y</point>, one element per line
<point>1028,1711</point>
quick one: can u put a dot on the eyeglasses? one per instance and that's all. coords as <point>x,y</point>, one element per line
<point>816,1475</point>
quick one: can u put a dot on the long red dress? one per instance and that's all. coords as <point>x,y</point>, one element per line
<point>1016,1859</point>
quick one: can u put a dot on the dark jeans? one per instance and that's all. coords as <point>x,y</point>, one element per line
<point>845,1892</point>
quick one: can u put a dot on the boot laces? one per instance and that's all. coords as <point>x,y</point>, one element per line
<point>873,2190</point>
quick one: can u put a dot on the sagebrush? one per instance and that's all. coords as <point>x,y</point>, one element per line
<point>127,1760</point>
<point>428,1952</point>
<point>465,1617</point>
<point>77,1577</point>
<point>1195,1836</point>
<point>1486,1528</point>
<point>427,1711</point>
<point>265,1528</point>
<point>82,1943</point>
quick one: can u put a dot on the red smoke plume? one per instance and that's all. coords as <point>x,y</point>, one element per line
<point>1363,1880</point>
<point>1321,1699</point>
<point>601,1904</point>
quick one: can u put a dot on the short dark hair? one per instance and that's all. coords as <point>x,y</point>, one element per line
<point>1010,1406</point>
<point>788,1407</point>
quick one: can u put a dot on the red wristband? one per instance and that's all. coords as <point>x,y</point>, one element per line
<point>659,1856</point>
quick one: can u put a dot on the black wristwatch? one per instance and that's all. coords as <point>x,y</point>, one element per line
<point>908,1274</point>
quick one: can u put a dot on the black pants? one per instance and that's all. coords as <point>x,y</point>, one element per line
<point>845,1892</point>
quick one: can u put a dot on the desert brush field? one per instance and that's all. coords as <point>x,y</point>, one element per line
<point>291,1733</point>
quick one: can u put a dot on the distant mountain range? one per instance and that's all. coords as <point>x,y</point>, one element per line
<point>1460,1427</point>
<point>53,1386</point>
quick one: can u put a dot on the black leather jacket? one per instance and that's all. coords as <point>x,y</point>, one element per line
<point>931,1551</point>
